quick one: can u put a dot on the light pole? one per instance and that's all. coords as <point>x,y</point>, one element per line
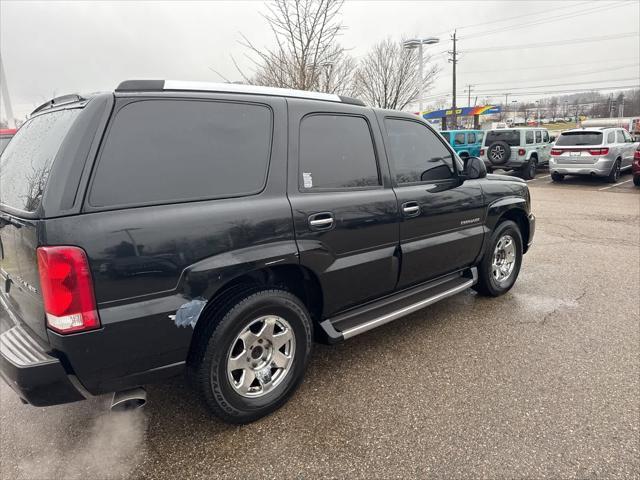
<point>537,113</point>
<point>327,66</point>
<point>514,110</point>
<point>417,43</point>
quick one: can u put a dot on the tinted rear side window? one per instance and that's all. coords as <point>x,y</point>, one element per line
<point>512,137</point>
<point>574,139</point>
<point>471,137</point>
<point>336,151</point>
<point>160,151</point>
<point>26,162</point>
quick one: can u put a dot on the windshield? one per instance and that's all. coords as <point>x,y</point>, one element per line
<point>26,162</point>
<point>512,137</point>
<point>574,139</point>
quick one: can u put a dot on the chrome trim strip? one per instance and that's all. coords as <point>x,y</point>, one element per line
<point>252,89</point>
<point>376,322</point>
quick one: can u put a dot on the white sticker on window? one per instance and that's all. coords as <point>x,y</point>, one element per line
<point>307,180</point>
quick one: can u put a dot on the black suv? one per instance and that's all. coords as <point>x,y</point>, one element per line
<point>219,229</point>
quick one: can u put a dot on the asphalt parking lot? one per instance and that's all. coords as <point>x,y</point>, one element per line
<point>543,382</point>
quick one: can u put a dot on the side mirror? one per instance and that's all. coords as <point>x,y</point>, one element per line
<point>552,138</point>
<point>474,168</point>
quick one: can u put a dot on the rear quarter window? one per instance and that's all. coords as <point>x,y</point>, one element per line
<point>26,162</point>
<point>163,151</point>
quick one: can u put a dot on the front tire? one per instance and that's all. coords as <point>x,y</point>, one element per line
<point>501,263</point>
<point>255,356</point>
<point>557,177</point>
<point>636,180</point>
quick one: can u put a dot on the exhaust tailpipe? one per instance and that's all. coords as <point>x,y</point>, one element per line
<point>129,399</point>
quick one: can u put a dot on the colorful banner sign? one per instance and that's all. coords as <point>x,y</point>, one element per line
<point>464,112</point>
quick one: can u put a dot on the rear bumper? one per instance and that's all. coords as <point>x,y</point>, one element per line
<point>37,377</point>
<point>601,168</point>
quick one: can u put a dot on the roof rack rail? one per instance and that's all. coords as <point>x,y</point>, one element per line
<point>176,85</point>
<point>55,102</point>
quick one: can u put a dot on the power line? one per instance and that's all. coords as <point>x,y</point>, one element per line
<point>510,89</point>
<point>500,48</point>
<point>538,67</point>
<point>500,20</point>
<point>555,18</point>
<point>587,72</point>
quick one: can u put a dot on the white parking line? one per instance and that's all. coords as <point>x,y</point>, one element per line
<point>537,178</point>
<point>615,185</point>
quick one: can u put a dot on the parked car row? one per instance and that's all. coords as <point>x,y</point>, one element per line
<point>599,152</point>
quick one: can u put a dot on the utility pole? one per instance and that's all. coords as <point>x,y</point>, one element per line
<point>4,92</point>
<point>506,105</point>
<point>469,94</point>
<point>454,61</point>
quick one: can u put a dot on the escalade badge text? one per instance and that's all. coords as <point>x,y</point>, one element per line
<point>471,220</point>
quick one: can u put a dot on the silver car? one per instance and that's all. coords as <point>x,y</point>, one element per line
<point>599,152</point>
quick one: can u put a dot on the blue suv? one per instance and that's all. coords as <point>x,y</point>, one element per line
<point>466,143</point>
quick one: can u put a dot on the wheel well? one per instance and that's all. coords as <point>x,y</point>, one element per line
<point>520,218</point>
<point>534,155</point>
<point>295,279</point>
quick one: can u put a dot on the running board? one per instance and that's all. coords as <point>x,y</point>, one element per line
<point>397,305</point>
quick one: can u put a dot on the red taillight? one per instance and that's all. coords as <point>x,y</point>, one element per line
<point>482,151</point>
<point>636,155</point>
<point>67,289</point>
<point>521,152</point>
<point>598,151</point>
<point>556,151</point>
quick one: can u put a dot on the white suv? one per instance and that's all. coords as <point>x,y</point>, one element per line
<point>522,149</point>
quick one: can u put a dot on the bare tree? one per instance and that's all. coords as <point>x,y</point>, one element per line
<point>388,76</point>
<point>306,55</point>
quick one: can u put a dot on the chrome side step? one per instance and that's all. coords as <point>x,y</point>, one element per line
<point>391,310</point>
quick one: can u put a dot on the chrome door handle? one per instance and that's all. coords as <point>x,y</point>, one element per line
<point>321,221</point>
<point>410,209</point>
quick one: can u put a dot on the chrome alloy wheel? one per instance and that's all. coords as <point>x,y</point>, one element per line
<point>504,258</point>
<point>497,153</point>
<point>261,356</point>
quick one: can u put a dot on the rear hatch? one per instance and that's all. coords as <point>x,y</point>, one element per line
<point>24,171</point>
<point>582,147</point>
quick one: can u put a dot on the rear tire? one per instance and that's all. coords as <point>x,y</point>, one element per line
<point>248,335</point>
<point>615,172</point>
<point>529,170</point>
<point>636,180</point>
<point>500,265</point>
<point>557,177</point>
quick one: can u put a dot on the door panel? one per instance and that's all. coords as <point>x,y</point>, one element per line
<point>446,235</point>
<point>355,259</point>
<point>445,232</point>
<point>344,209</point>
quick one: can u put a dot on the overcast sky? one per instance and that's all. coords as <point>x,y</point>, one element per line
<point>55,48</point>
